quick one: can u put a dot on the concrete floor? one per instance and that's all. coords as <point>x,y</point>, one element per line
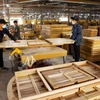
<point>5,76</point>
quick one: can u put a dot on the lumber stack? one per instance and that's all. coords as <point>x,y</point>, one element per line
<point>90,49</point>
<point>54,31</point>
<point>95,27</point>
<point>38,28</point>
<point>90,32</point>
<point>58,82</point>
<point>27,34</point>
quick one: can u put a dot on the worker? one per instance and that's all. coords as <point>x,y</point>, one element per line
<point>17,30</point>
<point>3,31</point>
<point>77,36</point>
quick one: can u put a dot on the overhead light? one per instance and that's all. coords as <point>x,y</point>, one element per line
<point>7,5</point>
<point>3,12</point>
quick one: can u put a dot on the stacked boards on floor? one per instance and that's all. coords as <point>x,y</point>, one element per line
<point>90,49</point>
<point>54,31</point>
<point>95,27</point>
<point>90,32</point>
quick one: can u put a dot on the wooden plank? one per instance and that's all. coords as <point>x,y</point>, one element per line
<point>44,81</point>
<point>10,90</point>
<point>62,41</point>
<point>18,89</point>
<point>93,96</point>
<point>34,84</point>
<point>12,44</point>
<point>25,73</point>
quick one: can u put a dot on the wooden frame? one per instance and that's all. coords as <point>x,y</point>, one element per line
<point>82,93</point>
<point>51,94</point>
<point>89,67</point>
<point>65,76</point>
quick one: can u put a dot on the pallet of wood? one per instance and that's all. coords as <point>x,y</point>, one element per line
<point>90,49</point>
<point>54,31</point>
<point>38,28</point>
<point>60,81</point>
<point>90,32</point>
<point>95,27</point>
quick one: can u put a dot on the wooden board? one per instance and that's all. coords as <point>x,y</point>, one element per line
<point>61,41</point>
<point>12,44</point>
<point>12,89</point>
<point>37,43</point>
<point>65,76</point>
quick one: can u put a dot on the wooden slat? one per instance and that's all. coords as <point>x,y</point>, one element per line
<point>34,84</point>
<point>44,81</point>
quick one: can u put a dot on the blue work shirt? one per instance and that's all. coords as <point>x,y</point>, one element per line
<point>77,34</point>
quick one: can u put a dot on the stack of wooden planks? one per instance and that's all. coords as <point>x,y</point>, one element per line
<point>90,49</point>
<point>54,31</point>
<point>38,28</point>
<point>95,27</point>
<point>90,32</point>
<point>72,81</point>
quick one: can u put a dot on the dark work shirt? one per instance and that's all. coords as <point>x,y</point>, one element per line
<point>77,34</point>
<point>5,31</point>
<point>17,34</point>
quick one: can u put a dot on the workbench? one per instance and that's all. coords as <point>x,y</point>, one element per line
<point>35,43</point>
<point>40,53</point>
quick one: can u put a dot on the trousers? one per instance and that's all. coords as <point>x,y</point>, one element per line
<point>77,52</point>
<point>1,58</point>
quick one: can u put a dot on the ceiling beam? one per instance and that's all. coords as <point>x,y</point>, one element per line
<point>97,2</point>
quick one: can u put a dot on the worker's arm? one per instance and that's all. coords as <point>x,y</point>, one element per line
<point>9,35</point>
<point>74,33</point>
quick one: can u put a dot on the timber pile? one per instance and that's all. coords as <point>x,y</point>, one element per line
<point>38,28</point>
<point>45,84</point>
<point>67,32</point>
<point>95,27</point>
<point>27,34</point>
<point>90,32</point>
<point>54,31</point>
<point>90,49</point>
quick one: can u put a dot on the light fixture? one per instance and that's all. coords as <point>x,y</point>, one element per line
<point>7,5</point>
<point>3,12</point>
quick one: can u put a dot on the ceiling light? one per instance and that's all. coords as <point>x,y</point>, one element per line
<point>7,5</point>
<point>3,12</point>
